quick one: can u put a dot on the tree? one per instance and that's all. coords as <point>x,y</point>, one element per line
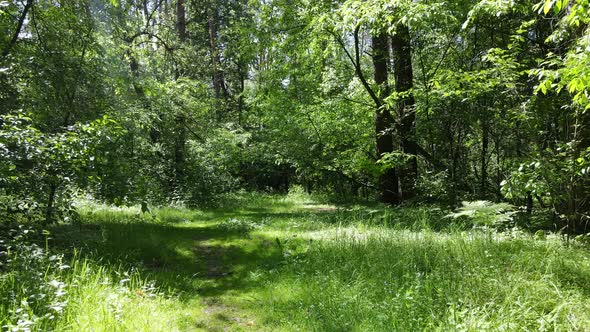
<point>406,108</point>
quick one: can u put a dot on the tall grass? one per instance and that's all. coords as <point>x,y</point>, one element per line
<point>42,291</point>
<point>273,263</point>
<point>384,280</point>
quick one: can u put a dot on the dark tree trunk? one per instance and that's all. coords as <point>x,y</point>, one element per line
<point>180,118</point>
<point>218,79</point>
<point>179,149</point>
<point>402,62</point>
<point>134,66</point>
<point>529,203</point>
<point>388,180</point>
<point>485,142</point>
<point>389,184</point>
<point>181,20</point>
<point>241,104</point>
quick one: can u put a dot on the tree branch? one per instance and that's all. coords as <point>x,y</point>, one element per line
<point>19,26</point>
<point>356,63</point>
<point>359,71</point>
<point>427,156</point>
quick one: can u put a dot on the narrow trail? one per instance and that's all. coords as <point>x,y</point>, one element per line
<point>213,258</point>
<point>218,271</point>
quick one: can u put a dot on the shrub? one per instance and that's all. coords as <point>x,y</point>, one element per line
<point>41,292</point>
<point>485,213</point>
<point>238,225</point>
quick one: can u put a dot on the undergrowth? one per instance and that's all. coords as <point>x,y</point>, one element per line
<point>289,263</point>
<point>45,291</point>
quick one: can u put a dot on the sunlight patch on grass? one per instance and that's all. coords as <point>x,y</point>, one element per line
<point>382,279</point>
<point>276,263</point>
<point>319,207</point>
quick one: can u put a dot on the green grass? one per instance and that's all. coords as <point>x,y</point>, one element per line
<point>275,263</point>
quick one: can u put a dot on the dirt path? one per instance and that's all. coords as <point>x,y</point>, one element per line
<point>218,315</point>
<point>213,258</point>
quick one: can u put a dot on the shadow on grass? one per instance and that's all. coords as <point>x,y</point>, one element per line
<point>204,260</point>
<point>187,252</point>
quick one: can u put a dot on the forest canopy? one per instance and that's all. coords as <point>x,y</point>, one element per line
<point>162,101</point>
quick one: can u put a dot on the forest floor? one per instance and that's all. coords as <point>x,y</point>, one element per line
<point>273,263</point>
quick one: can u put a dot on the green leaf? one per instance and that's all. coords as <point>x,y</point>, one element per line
<point>547,6</point>
<point>543,88</point>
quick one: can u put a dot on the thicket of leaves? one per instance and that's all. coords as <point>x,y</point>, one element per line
<point>166,101</point>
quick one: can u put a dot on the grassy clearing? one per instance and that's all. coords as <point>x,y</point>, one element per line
<point>288,263</point>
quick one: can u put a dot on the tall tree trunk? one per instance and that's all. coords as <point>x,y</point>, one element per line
<point>389,183</point>
<point>403,74</point>
<point>181,20</point>
<point>388,180</point>
<point>179,150</point>
<point>241,103</point>
<point>218,79</point>
<point>180,118</point>
<point>485,143</point>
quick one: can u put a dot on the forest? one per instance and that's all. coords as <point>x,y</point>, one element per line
<point>294,165</point>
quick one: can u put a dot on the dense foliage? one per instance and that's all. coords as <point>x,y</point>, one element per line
<point>180,101</point>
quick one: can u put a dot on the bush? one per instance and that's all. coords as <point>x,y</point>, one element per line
<point>39,172</point>
<point>238,225</point>
<point>485,213</point>
<point>41,291</point>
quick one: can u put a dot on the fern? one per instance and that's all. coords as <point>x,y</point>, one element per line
<point>485,212</point>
